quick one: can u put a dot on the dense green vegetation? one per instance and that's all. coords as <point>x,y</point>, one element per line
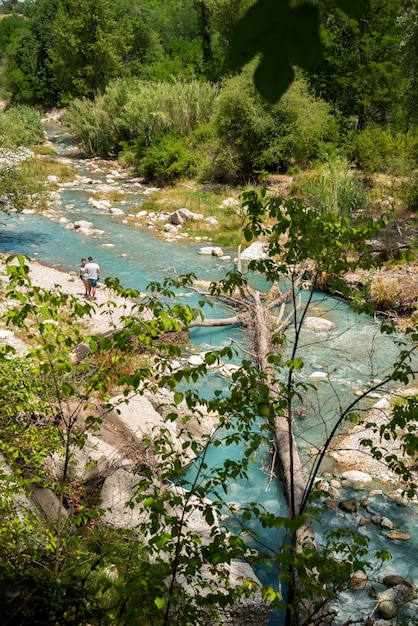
<point>150,82</point>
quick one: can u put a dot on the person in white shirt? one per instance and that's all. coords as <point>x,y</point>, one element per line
<point>92,270</point>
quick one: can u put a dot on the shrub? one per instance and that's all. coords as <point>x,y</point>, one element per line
<point>138,113</point>
<point>252,135</point>
<point>20,126</point>
<point>378,149</point>
<point>332,188</point>
<point>409,193</point>
<point>168,159</point>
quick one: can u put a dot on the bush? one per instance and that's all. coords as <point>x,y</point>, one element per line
<point>409,193</point>
<point>139,113</point>
<point>332,188</point>
<point>20,126</point>
<point>378,149</point>
<point>168,159</point>
<point>252,135</point>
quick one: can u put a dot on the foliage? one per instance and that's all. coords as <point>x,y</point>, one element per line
<point>133,114</point>
<point>89,46</point>
<point>20,126</point>
<point>28,74</point>
<point>409,193</point>
<point>8,28</point>
<point>377,149</point>
<point>282,36</point>
<point>360,72</point>
<point>333,188</point>
<point>80,571</point>
<point>65,569</point>
<point>167,160</point>
<point>252,136</point>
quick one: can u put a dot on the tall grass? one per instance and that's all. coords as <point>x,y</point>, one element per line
<point>139,112</point>
<point>332,188</point>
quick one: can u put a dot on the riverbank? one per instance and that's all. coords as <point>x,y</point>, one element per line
<point>346,453</point>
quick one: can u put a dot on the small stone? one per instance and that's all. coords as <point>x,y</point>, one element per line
<point>387,523</point>
<point>347,506</point>
<point>396,534</point>
<point>330,504</point>
<point>334,493</point>
<point>358,580</point>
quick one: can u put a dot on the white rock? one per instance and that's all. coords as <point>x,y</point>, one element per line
<point>83,224</point>
<point>319,376</point>
<point>228,369</point>
<point>382,404</point>
<point>319,323</point>
<point>256,250</point>
<point>230,203</point>
<point>195,360</point>
<point>207,250</point>
<point>102,205</point>
<point>356,476</point>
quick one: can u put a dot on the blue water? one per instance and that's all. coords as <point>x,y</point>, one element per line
<point>353,354</point>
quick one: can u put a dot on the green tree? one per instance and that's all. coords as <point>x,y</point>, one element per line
<point>361,73</point>
<point>252,136</point>
<point>8,29</point>
<point>88,49</point>
<point>409,57</point>
<point>27,73</point>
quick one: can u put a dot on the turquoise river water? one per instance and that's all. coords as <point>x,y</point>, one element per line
<point>354,353</point>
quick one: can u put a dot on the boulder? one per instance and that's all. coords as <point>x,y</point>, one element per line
<point>230,203</point>
<point>319,323</point>
<point>83,225</point>
<point>102,205</point>
<point>49,503</point>
<point>256,250</point>
<point>356,476</point>
<point>391,580</point>
<point>359,580</point>
<point>397,534</point>
<point>181,216</point>
<point>211,251</point>
<point>389,601</point>
<point>319,376</point>
<point>135,416</point>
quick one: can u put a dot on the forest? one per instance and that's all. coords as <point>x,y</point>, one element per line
<point>232,97</point>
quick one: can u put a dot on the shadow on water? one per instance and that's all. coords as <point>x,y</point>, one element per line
<point>23,242</point>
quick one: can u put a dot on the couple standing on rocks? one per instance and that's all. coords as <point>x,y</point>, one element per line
<point>89,274</point>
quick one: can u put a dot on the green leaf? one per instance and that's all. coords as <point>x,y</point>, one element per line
<point>159,602</point>
<point>178,397</point>
<point>67,390</point>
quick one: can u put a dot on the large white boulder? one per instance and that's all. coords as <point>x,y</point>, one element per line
<point>319,323</point>
<point>257,250</point>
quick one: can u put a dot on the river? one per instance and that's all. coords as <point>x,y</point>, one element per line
<point>354,353</point>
